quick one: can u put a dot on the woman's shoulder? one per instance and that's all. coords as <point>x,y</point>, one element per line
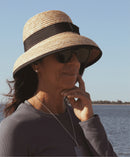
<point>20,118</point>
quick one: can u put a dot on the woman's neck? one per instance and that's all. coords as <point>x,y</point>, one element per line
<point>53,101</point>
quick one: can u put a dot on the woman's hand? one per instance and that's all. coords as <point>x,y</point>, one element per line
<point>83,105</point>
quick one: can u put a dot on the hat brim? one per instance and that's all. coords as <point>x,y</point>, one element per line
<point>57,43</point>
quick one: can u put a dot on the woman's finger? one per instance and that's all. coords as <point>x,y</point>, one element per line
<point>81,82</point>
<point>81,96</point>
<point>71,100</point>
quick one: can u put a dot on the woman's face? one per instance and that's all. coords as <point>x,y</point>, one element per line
<point>53,74</point>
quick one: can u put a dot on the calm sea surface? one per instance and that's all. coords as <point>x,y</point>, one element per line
<point>116,120</point>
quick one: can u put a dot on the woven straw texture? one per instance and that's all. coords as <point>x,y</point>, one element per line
<point>56,42</point>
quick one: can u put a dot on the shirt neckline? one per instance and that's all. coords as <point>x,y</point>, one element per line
<point>42,113</point>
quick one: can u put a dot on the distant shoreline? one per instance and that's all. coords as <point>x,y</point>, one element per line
<point>109,104</point>
<point>98,102</point>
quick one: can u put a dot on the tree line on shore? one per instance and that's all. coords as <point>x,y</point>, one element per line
<point>109,102</point>
<point>96,102</point>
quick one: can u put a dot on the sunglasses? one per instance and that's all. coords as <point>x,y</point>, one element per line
<point>65,56</point>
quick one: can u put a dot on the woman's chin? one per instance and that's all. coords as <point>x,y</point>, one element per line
<point>69,82</point>
<point>69,85</point>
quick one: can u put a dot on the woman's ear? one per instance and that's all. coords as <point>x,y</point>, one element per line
<point>35,67</point>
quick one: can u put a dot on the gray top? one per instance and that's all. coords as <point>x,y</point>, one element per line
<point>29,132</point>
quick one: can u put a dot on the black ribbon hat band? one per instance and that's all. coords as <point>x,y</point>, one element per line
<point>48,32</point>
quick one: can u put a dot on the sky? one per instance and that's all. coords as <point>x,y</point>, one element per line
<point>107,22</point>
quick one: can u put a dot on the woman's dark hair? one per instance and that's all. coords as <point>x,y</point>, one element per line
<point>22,88</point>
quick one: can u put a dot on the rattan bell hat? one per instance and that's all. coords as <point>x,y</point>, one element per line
<point>50,32</point>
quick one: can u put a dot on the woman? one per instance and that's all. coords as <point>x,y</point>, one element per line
<point>48,115</point>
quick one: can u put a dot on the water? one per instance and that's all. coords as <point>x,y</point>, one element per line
<point>116,120</point>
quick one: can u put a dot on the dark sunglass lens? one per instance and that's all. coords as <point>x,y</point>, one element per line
<point>82,55</point>
<point>64,57</point>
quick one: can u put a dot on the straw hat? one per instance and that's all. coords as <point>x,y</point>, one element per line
<point>49,32</point>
